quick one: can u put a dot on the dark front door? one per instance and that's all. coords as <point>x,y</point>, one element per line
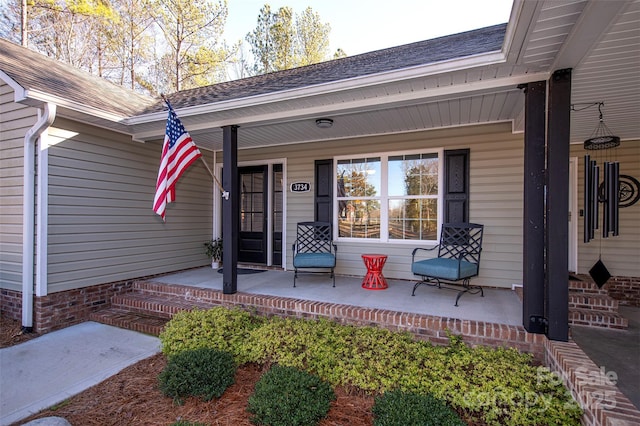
<point>253,215</point>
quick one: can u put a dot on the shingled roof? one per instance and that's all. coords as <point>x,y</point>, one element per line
<point>34,71</point>
<point>440,49</point>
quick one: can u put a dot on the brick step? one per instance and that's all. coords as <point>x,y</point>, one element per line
<point>163,306</point>
<point>597,302</point>
<point>591,318</point>
<point>585,287</point>
<point>162,289</point>
<point>143,323</point>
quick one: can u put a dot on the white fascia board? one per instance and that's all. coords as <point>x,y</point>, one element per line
<point>519,29</point>
<point>484,59</point>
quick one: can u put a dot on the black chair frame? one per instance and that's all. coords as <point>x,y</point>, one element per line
<point>461,242</point>
<point>314,249</point>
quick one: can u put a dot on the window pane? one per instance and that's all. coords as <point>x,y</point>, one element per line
<point>361,219</point>
<point>277,222</point>
<point>413,175</point>
<point>359,177</point>
<point>257,222</point>
<point>413,219</point>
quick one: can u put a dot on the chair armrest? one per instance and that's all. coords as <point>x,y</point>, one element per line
<point>415,250</point>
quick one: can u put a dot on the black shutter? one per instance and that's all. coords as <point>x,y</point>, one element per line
<point>324,191</point>
<point>456,186</point>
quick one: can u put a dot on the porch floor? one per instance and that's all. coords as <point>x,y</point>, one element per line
<point>500,306</point>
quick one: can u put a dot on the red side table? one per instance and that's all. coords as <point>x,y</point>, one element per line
<point>374,280</point>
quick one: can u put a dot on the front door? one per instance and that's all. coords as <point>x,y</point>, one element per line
<point>253,215</point>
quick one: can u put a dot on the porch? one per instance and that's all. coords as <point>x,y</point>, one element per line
<point>492,320</point>
<point>499,306</point>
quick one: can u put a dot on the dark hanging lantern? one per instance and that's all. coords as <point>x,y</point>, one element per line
<point>601,137</point>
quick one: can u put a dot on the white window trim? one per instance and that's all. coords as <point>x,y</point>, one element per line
<point>384,196</point>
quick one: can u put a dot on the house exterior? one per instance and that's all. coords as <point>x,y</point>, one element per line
<point>485,126</point>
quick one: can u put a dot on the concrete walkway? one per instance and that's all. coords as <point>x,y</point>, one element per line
<point>45,371</point>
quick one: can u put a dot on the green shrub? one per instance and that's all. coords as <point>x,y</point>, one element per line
<point>286,396</point>
<point>217,328</point>
<point>366,357</point>
<point>396,408</point>
<point>471,380</point>
<point>204,373</point>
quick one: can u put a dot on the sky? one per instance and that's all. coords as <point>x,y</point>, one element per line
<point>359,26</point>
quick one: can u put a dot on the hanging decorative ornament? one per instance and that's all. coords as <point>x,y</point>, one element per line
<point>607,193</point>
<point>601,137</point>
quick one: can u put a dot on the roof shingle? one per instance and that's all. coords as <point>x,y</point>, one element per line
<point>34,71</point>
<point>450,47</point>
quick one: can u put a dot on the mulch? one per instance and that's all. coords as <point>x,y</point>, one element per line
<point>11,332</point>
<point>132,397</point>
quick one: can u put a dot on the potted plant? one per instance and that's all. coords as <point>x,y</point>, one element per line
<point>213,249</point>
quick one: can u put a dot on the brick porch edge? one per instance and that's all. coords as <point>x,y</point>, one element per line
<point>592,387</point>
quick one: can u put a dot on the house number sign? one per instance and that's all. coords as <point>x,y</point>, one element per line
<point>300,187</point>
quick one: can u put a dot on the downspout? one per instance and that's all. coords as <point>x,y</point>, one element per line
<point>28,212</point>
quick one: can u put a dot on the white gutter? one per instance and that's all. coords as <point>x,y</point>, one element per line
<point>28,211</point>
<point>33,96</point>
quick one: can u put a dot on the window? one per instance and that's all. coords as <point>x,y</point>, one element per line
<point>389,197</point>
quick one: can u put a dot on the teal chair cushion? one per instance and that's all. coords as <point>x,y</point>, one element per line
<point>314,260</point>
<point>444,268</point>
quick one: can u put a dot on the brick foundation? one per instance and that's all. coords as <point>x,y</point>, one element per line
<point>65,308</point>
<point>626,290</point>
<point>11,304</point>
<point>62,309</point>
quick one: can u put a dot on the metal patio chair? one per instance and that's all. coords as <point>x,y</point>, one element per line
<point>314,249</point>
<point>457,262</point>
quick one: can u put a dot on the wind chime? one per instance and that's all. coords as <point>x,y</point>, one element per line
<point>606,193</point>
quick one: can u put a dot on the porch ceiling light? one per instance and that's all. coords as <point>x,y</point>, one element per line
<point>601,137</point>
<point>324,123</point>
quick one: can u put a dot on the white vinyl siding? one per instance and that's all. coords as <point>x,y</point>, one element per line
<point>620,254</point>
<point>15,121</point>
<point>496,186</point>
<point>101,224</point>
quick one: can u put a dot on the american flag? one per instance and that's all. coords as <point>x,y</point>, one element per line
<point>178,153</point>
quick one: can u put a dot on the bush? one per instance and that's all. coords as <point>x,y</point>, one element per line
<point>286,396</point>
<point>396,408</point>
<point>217,328</point>
<point>204,373</point>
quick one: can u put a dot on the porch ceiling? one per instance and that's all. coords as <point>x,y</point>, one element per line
<point>599,40</point>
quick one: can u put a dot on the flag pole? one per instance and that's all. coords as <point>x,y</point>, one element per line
<point>225,194</point>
